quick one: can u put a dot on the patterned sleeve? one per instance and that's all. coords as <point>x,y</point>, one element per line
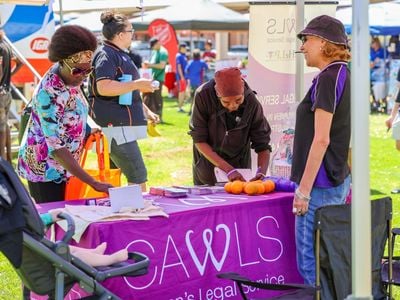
<point>50,106</point>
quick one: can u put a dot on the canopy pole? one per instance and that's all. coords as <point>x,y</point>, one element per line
<point>361,204</point>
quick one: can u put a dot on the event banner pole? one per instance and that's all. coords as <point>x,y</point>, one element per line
<point>272,69</point>
<point>361,204</point>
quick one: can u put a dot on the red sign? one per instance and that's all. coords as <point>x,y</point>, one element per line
<point>165,33</point>
<point>40,44</point>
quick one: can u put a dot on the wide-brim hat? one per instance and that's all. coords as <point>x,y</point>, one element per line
<point>327,28</point>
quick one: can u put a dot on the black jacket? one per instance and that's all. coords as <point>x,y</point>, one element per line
<point>208,125</point>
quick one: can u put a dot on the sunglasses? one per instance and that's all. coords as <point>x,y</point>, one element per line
<point>304,39</point>
<point>76,72</point>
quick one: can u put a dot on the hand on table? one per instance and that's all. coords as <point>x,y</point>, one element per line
<point>101,186</point>
<point>235,175</point>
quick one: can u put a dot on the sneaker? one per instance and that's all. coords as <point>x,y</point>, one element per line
<point>181,110</point>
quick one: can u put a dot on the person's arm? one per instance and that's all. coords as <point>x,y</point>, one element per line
<point>395,109</point>
<point>161,65</point>
<point>262,163</point>
<point>18,65</point>
<point>108,87</point>
<point>321,140</point>
<point>154,118</point>
<point>206,150</point>
<point>65,158</point>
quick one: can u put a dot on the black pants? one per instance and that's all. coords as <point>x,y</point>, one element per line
<point>154,101</point>
<point>44,192</point>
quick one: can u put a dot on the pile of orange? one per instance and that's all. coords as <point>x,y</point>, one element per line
<point>257,187</point>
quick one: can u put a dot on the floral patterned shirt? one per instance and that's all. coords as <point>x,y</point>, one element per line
<point>58,120</point>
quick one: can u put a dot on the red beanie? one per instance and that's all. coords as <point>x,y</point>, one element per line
<point>228,82</point>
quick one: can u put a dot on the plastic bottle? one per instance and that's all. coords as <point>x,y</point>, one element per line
<point>125,99</point>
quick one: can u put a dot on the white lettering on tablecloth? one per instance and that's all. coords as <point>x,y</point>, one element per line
<point>165,265</point>
<point>209,238</point>
<point>261,220</point>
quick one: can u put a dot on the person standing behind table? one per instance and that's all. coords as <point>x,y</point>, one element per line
<point>6,72</point>
<point>181,62</point>
<point>227,121</point>
<point>158,61</point>
<point>123,124</point>
<point>322,134</point>
<point>55,134</point>
<point>195,71</point>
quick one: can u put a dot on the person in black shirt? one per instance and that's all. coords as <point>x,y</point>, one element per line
<point>322,134</point>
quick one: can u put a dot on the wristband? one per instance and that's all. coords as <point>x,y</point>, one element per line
<point>230,172</point>
<point>300,195</point>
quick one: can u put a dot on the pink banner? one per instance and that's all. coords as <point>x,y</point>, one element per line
<point>272,72</point>
<point>204,236</point>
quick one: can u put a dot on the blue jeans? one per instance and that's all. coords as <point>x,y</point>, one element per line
<point>305,227</point>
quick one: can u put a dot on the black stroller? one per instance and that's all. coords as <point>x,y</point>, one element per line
<point>45,267</point>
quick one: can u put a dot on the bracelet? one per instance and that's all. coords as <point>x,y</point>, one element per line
<point>259,173</point>
<point>230,172</point>
<point>301,195</point>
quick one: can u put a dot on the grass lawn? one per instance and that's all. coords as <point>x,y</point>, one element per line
<point>168,159</point>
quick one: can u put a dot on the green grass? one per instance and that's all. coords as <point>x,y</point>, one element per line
<point>168,159</point>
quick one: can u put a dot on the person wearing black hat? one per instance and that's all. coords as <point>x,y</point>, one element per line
<point>226,122</point>
<point>322,134</point>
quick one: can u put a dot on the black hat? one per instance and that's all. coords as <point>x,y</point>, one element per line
<point>327,28</point>
<point>153,41</point>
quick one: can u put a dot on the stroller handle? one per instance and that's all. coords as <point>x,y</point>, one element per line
<point>70,227</point>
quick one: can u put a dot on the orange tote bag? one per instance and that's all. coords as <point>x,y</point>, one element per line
<point>77,189</point>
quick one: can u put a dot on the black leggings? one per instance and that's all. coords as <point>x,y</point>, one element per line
<point>44,192</point>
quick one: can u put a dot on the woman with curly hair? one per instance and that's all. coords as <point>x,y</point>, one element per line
<point>55,134</point>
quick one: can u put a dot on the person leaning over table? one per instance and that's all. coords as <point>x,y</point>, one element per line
<point>226,122</point>
<point>55,134</point>
<point>123,124</point>
<point>322,134</point>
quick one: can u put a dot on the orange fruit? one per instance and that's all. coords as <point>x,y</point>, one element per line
<point>269,186</point>
<point>251,188</point>
<point>227,187</point>
<point>260,187</point>
<point>237,187</point>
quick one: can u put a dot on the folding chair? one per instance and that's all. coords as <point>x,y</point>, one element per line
<point>333,255</point>
<point>45,267</point>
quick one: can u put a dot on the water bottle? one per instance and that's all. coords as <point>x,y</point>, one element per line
<point>125,99</point>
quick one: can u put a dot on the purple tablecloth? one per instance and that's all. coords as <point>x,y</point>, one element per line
<point>204,236</point>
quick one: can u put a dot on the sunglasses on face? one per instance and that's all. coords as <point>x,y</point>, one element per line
<point>76,72</point>
<point>304,39</point>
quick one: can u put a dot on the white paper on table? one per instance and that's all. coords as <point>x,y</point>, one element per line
<point>221,175</point>
<point>126,196</point>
